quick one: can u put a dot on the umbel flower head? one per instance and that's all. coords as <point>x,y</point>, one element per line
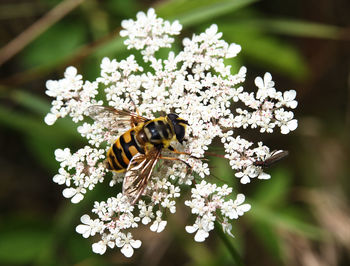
<point>194,83</point>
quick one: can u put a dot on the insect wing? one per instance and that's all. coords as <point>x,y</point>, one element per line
<point>114,119</point>
<point>138,173</point>
<point>276,156</point>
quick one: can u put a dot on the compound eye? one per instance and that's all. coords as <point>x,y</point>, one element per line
<point>180,132</point>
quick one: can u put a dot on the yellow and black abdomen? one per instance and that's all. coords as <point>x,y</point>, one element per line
<point>121,152</point>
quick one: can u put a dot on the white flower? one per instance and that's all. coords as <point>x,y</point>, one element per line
<point>158,225</point>
<point>266,86</point>
<point>201,228</point>
<point>288,99</point>
<point>227,227</point>
<point>234,209</point>
<point>127,244</point>
<point>76,194</point>
<point>247,174</point>
<point>62,155</point>
<point>197,84</point>
<point>149,32</point>
<point>241,208</point>
<point>63,177</point>
<point>201,234</point>
<point>226,135</point>
<point>89,226</point>
<point>146,213</point>
<point>170,204</point>
<point>289,126</point>
<point>233,50</point>
<point>285,118</point>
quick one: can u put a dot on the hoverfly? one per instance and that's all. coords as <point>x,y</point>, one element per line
<point>275,157</point>
<point>138,149</point>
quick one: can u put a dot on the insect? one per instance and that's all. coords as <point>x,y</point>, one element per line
<point>275,157</point>
<point>139,148</point>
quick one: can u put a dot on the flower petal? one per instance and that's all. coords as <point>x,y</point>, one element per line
<point>99,248</point>
<point>245,179</point>
<point>201,235</point>
<point>135,243</point>
<point>69,192</point>
<point>190,229</point>
<point>161,226</point>
<point>293,124</point>
<point>50,119</point>
<point>85,219</point>
<point>239,200</point>
<point>259,82</point>
<point>264,176</point>
<point>83,230</point>
<point>127,250</point>
<point>77,198</point>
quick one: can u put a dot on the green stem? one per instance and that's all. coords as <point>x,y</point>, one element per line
<point>235,255</point>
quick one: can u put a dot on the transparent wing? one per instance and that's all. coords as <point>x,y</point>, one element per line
<point>276,156</point>
<point>138,173</point>
<point>114,119</point>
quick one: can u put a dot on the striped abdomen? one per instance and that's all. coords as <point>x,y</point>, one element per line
<point>122,151</point>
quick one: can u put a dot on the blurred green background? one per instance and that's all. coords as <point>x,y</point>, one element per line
<point>299,217</point>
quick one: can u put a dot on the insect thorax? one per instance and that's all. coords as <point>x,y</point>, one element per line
<point>158,131</point>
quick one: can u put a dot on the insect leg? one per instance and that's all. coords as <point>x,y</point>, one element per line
<point>182,152</point>
<point>135,107</point>
<point>176,159</point>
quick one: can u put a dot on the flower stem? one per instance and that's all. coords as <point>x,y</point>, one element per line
<point>235,255</point>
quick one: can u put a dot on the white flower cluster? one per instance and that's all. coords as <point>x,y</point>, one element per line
<point>149,33</point>
<point>79,171</point>
<point>117,216</point>
<point>197,85</point>
<point>114,215</point>
<point>72,96</point>
<point>208,202</point>
<point>268,108</point>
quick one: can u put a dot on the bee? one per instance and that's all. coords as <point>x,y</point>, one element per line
<point>275,157</point>
<point>139,148</point>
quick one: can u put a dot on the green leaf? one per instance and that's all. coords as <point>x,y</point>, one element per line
<point>43,151</point>
<point>29,124</point>
<point>56,43</point>
<point>41,138</point>
<point>286,221</point>
<point>121,9</point>
<point>193,12</point>
<point>113,47</point>
<point>30,101</point>
<point>299,28</point>
<point>279,56</point>
<point>292,27</point>
<point>266,51</point>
